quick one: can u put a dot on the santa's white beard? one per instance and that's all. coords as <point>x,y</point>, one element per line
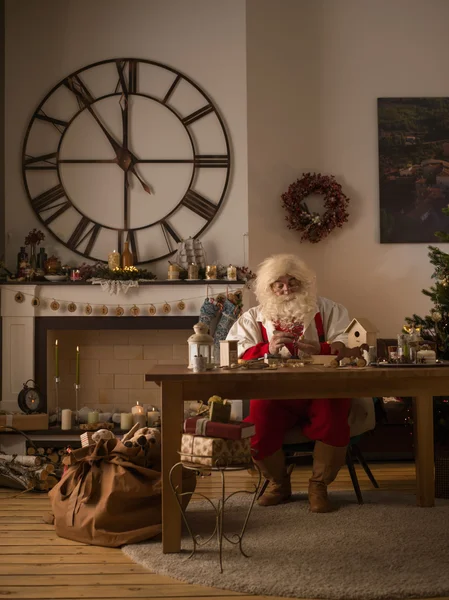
<point>289,308</point>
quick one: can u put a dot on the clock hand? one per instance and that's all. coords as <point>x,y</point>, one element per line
<point>121,156</point>
<point>146,187</point>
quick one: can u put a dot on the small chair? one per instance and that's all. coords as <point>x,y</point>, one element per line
<point>361,420</point>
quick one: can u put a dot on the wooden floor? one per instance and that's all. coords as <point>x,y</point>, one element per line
<point>35,563</point>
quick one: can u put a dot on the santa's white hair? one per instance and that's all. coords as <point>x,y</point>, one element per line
<point>298,306</point>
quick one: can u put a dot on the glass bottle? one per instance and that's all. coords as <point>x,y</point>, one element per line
<point>22,259</point>
<point>127,257</point>
<point>41,259</point>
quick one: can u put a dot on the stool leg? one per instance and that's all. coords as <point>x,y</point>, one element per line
<point>263,488</point>
<point>364,464</point>
<point>353,474</point>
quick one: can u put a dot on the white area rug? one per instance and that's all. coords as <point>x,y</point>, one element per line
<point>388,548</point>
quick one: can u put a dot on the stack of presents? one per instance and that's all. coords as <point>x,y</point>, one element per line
<point>211,439</point>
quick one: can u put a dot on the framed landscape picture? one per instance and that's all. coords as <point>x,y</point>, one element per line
<point>413,168</point>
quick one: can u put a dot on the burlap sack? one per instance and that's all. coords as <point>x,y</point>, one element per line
<point>108,498</point>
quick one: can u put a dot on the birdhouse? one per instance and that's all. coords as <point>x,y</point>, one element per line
<point>361,331</point>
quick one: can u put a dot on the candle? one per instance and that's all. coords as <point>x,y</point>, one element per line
<point>126,421</point>
<point>138,414</point>
<point>114,260</point>
<point>56,359</point>
<point>77,375</point>
<point>153,417</point>
<point>93,417</point>
<point>231,273</point>
<point>66,419</point>
<point>211,272</point>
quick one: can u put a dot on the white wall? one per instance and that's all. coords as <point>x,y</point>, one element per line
<point>48,40</point>
<point>315,70</point>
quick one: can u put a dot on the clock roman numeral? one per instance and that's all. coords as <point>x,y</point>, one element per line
<point>47,159</point>
<point>171,89</point>
<point>169,234</point>
<point>198,114</point>
<point>49,200</point>
<point>58,123</point>
<point>199,205</point>
<point>80,235</point>
<point>129,87</point>
<point>211,160</point>
<point>77,86</point>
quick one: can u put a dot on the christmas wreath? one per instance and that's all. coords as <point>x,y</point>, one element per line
<point>315,227</point>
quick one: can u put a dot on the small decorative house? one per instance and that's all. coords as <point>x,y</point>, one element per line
<point>361,331</point>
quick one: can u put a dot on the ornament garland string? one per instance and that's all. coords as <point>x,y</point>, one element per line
<point>313,226</point>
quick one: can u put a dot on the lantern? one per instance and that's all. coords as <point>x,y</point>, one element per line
<point>201,344</point>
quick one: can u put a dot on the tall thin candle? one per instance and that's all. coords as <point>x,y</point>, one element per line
<point>77,376</point>
<point>56,359</point>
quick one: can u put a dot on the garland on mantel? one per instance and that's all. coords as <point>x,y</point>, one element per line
<point>119,310</point>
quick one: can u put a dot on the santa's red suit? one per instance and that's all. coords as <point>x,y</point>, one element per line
<point>324,419</point>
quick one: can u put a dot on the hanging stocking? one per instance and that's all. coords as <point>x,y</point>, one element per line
<point>209,314</point>
<point>229,315</point>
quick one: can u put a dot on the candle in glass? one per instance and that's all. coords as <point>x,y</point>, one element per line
<point>56,359</point>
<point>77,375</point>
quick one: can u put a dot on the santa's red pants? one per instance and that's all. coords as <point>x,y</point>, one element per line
<point>324,419</point>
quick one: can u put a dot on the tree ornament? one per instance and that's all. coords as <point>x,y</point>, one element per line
<point>104,310</point>
<point>135,311</point>
<point>166,308</point>
<point>119,311</point>
<point>35,301</point>
<point>72,307</point>
<point>181,305</point>
<point>88,309</point>
<point>315,227</point>
<point>436,316</point>
<point>152,310</point>
<point>55,305</point>
<point>19,297</point>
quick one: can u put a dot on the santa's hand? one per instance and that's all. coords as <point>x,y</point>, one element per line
<point>309,346</point>
<point>280,339</point>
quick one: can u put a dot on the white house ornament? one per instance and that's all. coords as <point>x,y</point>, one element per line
<point>152,310</point>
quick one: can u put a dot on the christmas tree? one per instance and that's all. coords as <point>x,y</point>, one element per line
<point>435,327</point>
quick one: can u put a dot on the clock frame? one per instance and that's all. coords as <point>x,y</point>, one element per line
<point>54,202</point>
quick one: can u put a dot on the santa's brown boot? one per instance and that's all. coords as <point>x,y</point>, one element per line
<point>327,461</point>
<point>279,488</point>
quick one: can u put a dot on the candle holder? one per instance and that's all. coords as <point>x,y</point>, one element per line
<point>77,391</point>
<point>57,380</point>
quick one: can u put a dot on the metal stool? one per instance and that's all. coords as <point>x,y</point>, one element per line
<point>219,507</point>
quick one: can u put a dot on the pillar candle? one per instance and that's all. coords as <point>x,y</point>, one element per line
<point>126,421</point>
<point>153,417</point>
<point>114,260</point>
<point>66,419</point>
<point>56,359</point>
<point>141,419</point>
<point>77,376</point>
<point>93,417</point>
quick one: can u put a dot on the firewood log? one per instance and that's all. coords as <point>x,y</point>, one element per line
<point>41,475</point>
<point>54,457</point>
<point>31,451</point>
<point>29,461</point>
<point>49,467</point>
<point>41,451</point>
<point>52,481</point>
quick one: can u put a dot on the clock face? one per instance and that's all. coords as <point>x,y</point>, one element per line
<point>126,149</point>
<point>32,400</point>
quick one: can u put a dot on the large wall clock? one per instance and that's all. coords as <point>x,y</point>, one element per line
<point>126,149</point>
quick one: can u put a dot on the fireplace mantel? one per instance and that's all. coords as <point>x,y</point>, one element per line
<point>22,320</point>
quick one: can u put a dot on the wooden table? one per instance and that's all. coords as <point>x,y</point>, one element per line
<point>180,384</point>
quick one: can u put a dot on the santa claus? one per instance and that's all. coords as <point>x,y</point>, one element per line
<point>291,316</point>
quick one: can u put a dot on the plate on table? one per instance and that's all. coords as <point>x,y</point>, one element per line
<point>55,277</point>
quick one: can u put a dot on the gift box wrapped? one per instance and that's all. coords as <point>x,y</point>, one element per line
<point>234,430</point>
<point>212,452</point>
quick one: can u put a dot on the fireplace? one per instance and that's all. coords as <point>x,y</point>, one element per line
<point>115,351</point>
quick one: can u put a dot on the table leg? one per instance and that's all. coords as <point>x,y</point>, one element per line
<point>424,451</point>
<point>172,417</point>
